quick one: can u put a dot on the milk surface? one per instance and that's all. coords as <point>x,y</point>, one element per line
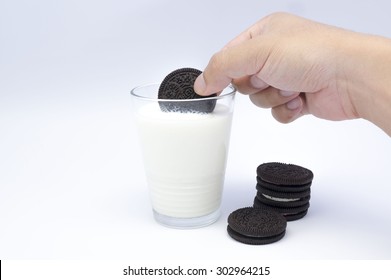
<point>184,157</point>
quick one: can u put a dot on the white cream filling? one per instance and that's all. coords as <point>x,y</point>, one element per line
<point>280,199</point>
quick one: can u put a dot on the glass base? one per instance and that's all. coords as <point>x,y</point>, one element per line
<point>187,223</point>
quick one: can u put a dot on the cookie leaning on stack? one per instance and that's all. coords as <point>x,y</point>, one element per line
<point>256,226</point>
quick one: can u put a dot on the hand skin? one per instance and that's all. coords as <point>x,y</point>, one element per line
<point>296,67</point>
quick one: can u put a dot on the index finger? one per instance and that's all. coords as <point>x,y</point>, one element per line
<point>241,59</point>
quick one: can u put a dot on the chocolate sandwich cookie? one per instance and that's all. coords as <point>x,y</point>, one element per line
<point>284,174</point>
<point>282,202</point>
<point>283,194</point>
<point>283,188</point>
<point>290,213</point>
<point>256,226</point>
<point>282,210</point>
<point>296,216</point>
<point>178,86</point>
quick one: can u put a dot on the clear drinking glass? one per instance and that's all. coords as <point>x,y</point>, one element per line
<point>184,153</point>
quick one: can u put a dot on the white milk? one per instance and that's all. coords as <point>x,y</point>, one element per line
<point>184,157</point>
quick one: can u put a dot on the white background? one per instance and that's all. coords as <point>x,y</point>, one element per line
<point>71,177</point>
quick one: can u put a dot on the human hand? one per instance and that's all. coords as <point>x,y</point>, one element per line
<point>290,64</point>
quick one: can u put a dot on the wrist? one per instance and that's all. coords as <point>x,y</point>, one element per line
<point>366,77</point>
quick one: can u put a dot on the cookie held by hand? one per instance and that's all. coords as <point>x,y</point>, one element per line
<point>177,89</point>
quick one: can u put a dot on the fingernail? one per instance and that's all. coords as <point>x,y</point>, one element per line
<point>294,104</point>
<point>200,85</point>
<point>286,93</point>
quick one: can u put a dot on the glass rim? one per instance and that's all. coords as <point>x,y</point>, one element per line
<point>232,91</point>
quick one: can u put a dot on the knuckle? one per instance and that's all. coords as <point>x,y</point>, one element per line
<point>282,115</point>
<point>258,100</point>
<point>217,62</point>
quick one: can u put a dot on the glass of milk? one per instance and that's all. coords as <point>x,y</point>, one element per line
<point>185,155</point>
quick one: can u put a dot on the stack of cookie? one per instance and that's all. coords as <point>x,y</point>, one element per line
<point>285,188</point>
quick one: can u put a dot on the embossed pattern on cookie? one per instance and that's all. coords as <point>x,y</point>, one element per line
<point>178,86</point>
<point>256,226</point>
